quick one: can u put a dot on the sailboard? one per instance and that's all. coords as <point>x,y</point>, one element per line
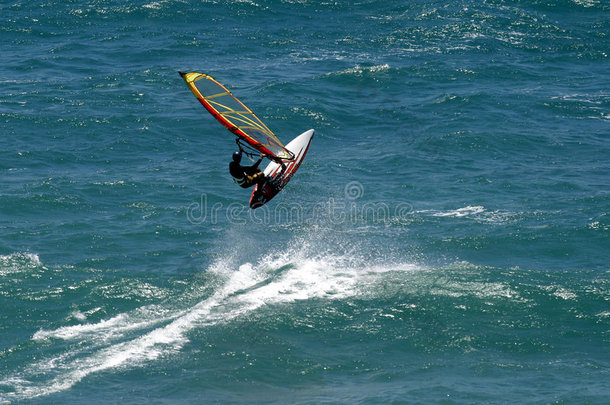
<point>241,121</point>
<point>278,175</point>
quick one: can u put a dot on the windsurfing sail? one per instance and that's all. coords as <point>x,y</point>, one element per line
<point>234,115</point>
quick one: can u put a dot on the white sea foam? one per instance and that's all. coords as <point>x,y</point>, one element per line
<point>560,292</point>
<point>153,332</point>
<point>477,213</point>
<point>31,258</point>
<point>108,329</point>
<point>148,333</point>
<point>460,212</point>
<point>587,3</point>
<point>18,263</point>
<point>360,70</point>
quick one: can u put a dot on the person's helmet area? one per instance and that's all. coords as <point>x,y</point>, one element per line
<point>237,156</point>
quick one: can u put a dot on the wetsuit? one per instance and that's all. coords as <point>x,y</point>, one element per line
<point>247,176</point>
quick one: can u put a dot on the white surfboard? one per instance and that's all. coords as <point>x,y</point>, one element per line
<point>279,178</point>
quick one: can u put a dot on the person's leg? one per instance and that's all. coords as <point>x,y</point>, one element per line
<point>259,178</point>
<point>248,182</point>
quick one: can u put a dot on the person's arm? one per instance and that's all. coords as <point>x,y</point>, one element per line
<point>258,162</point>
<point>252,169</point>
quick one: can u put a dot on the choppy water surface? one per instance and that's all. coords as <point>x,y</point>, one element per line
<point>446,239</point>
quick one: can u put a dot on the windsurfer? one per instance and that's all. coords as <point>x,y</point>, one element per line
<point>246,176</point>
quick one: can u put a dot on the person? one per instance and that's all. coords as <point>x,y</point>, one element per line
<point>246,176</point>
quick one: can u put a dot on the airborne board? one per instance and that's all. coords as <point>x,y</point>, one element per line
<point>299,147</point>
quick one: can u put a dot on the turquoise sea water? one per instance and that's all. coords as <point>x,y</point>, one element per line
<point>446,240</point>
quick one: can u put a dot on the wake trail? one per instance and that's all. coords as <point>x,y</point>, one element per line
<point>110,344</point>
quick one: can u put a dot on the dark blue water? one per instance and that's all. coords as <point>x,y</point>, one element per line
<point>446,240</point>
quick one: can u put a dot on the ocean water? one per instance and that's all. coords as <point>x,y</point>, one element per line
<point>446,240</point>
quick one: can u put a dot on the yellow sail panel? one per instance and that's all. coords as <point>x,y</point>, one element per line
<point>234,115</point>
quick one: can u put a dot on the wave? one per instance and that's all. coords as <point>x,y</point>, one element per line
<point>151,332</point>
<point>477,213</point>
<point>359,70</point>
<point>18,263</point>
